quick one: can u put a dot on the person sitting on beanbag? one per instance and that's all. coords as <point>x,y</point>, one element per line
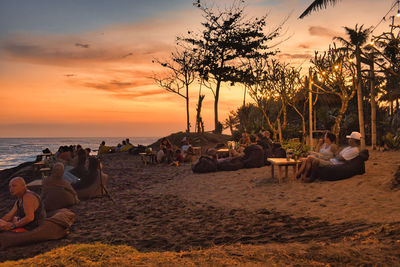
<point>27,210</point>
<point>56,192</point>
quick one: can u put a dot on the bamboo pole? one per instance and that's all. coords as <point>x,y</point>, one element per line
<point>310,107</point>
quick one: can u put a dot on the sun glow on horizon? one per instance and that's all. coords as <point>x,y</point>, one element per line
<point>97,80</point>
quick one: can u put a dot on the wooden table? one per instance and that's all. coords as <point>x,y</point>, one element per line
<point>286,163</point>
<point>38,165</point>
<point>148,158</point>
<point>222,151</point>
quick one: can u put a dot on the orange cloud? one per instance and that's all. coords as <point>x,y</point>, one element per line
<point>134,95</point>
<point>322,32</point>
<point>114,86</point>
<point>295,56</point>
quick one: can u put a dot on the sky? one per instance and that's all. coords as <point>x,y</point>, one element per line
<point>82,68</point>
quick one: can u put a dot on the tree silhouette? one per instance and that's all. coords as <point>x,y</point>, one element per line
<point>316,5</point>
<point>227,37</point>
<point>357,38</point>
<point>181,74</point>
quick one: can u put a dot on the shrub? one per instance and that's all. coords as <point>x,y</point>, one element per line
<point>391,141</point>
<point>299,149</point>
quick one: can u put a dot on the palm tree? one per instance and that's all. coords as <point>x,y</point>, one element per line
<point>357,38</point>
<point>316,5</point>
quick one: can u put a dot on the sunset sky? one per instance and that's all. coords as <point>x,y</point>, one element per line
<point>81,67</point>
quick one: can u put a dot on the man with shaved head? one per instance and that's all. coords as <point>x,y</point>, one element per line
<point>27,210</point>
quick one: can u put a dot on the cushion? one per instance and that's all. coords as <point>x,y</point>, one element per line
<point>230,164</point>
<point>52,228</point>
<point>205,164</point>
<point>342,171</point>
<point>254,156</point>
<point>94,190</point>
<point>57,198</point>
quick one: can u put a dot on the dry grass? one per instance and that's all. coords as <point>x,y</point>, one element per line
<point>315,254</point>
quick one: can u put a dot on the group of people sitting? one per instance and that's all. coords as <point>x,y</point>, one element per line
<point>124,146</point>
<point>56,192</point>
<point>252,151</point>
<point>175,155</point>
<point>326,154</point>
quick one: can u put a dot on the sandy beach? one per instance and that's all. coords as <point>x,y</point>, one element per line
<point>168,208</point>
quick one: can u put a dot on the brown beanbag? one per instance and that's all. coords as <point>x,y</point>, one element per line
<point>51,228</point>
<point>94,190</point>
<point>58,198</point>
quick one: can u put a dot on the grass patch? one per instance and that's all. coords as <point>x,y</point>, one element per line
<point>312,254</point>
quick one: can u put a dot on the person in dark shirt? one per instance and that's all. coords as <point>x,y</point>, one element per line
<point>80,170</point>
<point>27,210</point>
<point>90,176</point>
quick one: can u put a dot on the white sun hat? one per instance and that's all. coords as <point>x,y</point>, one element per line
<point>354,135</point>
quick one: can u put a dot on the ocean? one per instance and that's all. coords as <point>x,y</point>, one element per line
<point>14,151</point>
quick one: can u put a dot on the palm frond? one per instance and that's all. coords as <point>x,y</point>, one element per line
<point>316,5</point>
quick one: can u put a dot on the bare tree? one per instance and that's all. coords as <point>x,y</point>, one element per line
<point>180,75</point>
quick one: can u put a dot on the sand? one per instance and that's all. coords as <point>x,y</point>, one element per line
<point>366,198</point>
<point>166,208</point>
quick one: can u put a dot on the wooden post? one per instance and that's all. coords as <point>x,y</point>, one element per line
<point>373,103</point>
<point>310,107</point>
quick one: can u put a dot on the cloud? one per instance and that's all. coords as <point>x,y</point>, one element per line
<point>115,86</point>
<point>82,45</point>
<point>304,46</point>
<point>322,32</point>
<point>133,95</point>
<point>69,75</point>
<point>295,56</point>
<point>127,55</point>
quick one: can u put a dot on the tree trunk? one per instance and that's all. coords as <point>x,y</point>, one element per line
<point>199,120</point>
<point>244,97</point>
<point>360,98</point>
<point>216,98</point>
<point>373,105</point>
<point>278,121</point>
<point>338,121</point>
<point>187,110</point>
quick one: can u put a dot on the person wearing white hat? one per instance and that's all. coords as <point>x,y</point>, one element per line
<point>350,152</point>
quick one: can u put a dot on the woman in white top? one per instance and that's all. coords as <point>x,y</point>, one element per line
<point>326,148</point>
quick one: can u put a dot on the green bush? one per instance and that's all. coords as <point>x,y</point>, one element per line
<point>391,141</point>
<point>298,148</point>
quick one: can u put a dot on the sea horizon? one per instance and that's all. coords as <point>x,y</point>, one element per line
<point>17,150</point>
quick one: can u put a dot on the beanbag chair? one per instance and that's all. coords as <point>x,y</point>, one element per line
<point>205,164</point>
<point>277,151</point>
<point>253,156</point>
<point>51,228</point>
<point>58,198</point>
<point>342,171</point>
<point>95,189</point>
<point>230,164</point>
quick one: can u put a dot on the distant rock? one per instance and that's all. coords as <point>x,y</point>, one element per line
<point>24,170</point>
